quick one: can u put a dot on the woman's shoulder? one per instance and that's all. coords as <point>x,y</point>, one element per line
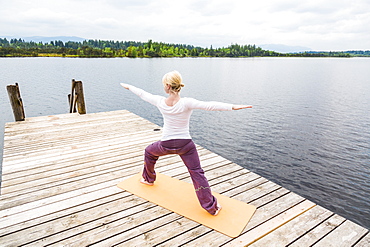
<point>189,102</point>
<point>188,99</point>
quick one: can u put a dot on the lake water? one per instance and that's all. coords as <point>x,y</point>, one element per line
<point>309,129</point>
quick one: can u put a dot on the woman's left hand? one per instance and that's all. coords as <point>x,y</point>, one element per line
<point>125,85</point>
<point>239,107</point>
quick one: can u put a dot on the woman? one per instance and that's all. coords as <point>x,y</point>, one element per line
<point>176,139</point>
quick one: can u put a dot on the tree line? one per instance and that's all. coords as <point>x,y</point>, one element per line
<point>133,49</point>
<point>104,48</point>
<point>344,53</point>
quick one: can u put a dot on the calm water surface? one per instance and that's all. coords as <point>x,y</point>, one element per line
<point>309,129</point>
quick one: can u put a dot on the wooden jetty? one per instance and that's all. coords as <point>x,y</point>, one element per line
<point>59,189</point>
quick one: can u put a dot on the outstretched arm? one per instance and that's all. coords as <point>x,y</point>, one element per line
<point>239,107</point>
<point>213,105</point>
<point>148,97</point>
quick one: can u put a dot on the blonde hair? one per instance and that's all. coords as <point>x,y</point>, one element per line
<point>173,79</point>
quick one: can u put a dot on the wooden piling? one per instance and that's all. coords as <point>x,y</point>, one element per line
<point>80,97</point>
<point>16,102</point>
<point>77,98</point>
<point>71,96</point>
<point>73,110</point>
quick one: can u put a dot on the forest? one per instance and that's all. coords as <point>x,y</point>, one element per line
<point>149,49</point>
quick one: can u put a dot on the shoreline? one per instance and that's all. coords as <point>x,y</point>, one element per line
<point>121,56</point>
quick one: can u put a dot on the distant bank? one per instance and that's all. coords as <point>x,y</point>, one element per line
<point>104,48</point>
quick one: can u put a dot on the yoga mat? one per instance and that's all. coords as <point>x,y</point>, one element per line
<point>179,197</point>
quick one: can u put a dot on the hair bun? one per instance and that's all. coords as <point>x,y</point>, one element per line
<point>173,79</point>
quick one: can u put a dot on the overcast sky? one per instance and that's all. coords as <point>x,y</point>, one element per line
<point>317,24</point>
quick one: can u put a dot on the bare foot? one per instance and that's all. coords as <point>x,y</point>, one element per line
<point>143,181</point>
<point>218,209</point>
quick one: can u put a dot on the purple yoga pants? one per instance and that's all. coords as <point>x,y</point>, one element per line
<point>189,155</point>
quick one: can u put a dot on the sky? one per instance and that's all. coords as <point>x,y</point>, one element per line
<point>324,25</point>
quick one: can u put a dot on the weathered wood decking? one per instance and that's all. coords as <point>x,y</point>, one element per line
<point>59,188</point>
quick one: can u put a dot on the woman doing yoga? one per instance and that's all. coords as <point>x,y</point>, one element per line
<point>176,139</point>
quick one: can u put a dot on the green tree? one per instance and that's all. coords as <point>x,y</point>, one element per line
<point>131,51</point>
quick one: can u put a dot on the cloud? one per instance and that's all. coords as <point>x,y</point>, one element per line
<point>109,23</point>
<point>42,16</point>
<point>212,8</point>
<point>324,24</point>
<point>317,7</point>
<point>128,3</point>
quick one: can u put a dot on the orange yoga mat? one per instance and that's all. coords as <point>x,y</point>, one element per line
<point>179,197</point>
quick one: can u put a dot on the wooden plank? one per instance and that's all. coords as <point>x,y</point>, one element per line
<point>251,179</point>
<point>46,220</point>
<point>364,242</point>
<point>188,233</point>
<point>84,180</point>
<point>295,228</point>
<point>72,116</point>
<point>71,159</point>
<point>74,162</point>
<point>31,210</point>
<point>79,132</point>
<point>168,231</point>
<point>181,172</point>
<point>126,219</point>
<point>48,141</point>
<point>122,230</point>
<point>65,226</point>
<point>67,152</point>
<point>103,227</point>
<point>75,181</point>
<point>346,234</point>
<point>84,141</point>
<point>77,143</point>
<point>77,168</point>
<point>13,133</point>
<point>272,224</point>
<point>67,166</point>
<point>217,176</point>
<point>255,189</point>
<point>319,231</point>
<point>71,127</point>
<point>68,118</point>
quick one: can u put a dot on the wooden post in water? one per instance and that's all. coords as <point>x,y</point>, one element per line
<point>70,98</point>
<point>77,98</point>
<point>16,102</point>
<point>80,97</point>
<point>73,104</point>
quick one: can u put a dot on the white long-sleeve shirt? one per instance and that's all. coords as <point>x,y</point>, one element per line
<point>176,118</point>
